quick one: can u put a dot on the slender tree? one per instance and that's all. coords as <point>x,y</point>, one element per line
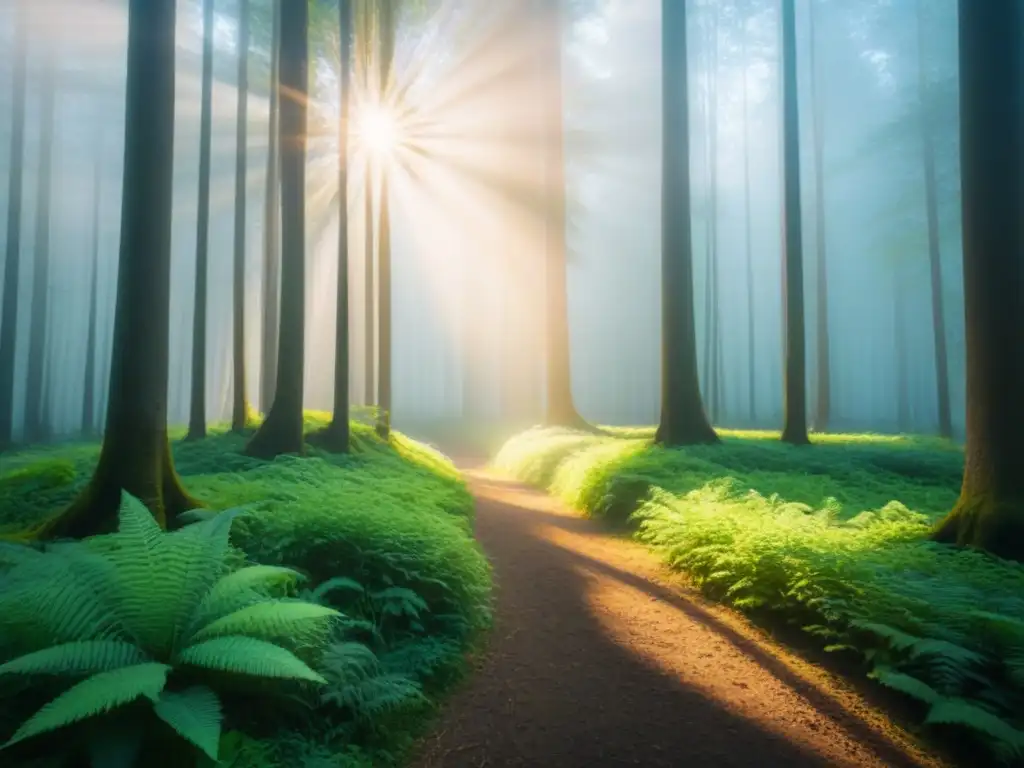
<point>934,248</point>
<point>364,49</point>
<point>386,26</point>
<point>89,389</point>
<point>36,421</point>
<point>795,429</point>
<point>197,409</point>
<point>12,261</point>
<point>560,408</point>
<point>239,403</point>
<point>281,431</point>
<point>136,455</point>
<point>748,242</point>
<point>823,379</point>
<point>339,429</point>
<point>683,420</point>
<point>271,229</point>
<point>990,511</point>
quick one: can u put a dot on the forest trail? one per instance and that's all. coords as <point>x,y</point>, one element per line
<point>598,659</point>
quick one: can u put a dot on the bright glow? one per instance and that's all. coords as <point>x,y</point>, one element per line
<point>378,129</point>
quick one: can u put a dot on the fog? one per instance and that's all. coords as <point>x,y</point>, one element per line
<point>467,230</point>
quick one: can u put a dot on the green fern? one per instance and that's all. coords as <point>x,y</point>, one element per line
<point>195,714</point>
<point>119,606</point>
<point>94,696</point>
<point>248,656</point>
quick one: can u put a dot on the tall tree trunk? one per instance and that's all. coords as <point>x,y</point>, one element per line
<point>902,350</point>
<point>197,407</point>
<point>748,248</point>
<point>239,403</point>
<point>12,260</point>
<point>823,380</point>
<point>934,248</point>
<point>560,409</point>
<point>136,455</point>
<point>369,288</point>
<point>683,420</point>
<point>387,21</point>
<point>271,229</point>
<point>339,428</point>
<point>795,429</point>
<point>281,432</point>
<point>713,339</point>
<point>990,511</point>
<point>91,351</point>
<point>35,416</point>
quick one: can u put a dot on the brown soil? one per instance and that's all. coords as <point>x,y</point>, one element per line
<point>599,657</point>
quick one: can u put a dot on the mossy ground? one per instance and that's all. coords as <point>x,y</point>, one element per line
<point>832,538</point>
<point>388,514</point>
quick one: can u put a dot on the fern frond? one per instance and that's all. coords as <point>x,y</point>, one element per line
<point>94,696</point>
<point>903,683</point>
<point>59,597</point>
<point>248,656</point>
<point>953,711</point>
<point>84,657</point>
<point>270,619</point>
<point>346,663</point>
<point>240,588</point>
<point>195,714</point>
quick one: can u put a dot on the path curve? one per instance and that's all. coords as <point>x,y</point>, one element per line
<point>598,658</point>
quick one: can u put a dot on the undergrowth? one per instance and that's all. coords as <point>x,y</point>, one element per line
<point>832,538</point>
<point>381,535</point>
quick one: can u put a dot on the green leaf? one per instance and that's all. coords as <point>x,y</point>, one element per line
<point>84,657</point>
<point>95,696</point>
<point>195,714</point>
<point>911,686</point>
<point>248,656</point>
<point>961,712</point>
<point>269,619</point>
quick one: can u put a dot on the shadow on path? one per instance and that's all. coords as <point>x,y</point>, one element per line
<point>596,661</point>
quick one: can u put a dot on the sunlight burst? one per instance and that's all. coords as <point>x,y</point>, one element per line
<point>378,127</point>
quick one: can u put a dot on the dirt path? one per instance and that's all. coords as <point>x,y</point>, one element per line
<point>597,659</point>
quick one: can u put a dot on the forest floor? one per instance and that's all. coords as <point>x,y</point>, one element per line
<point>601,657</point>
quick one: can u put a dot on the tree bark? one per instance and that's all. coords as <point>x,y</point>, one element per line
<point>91,352</point>
<point>36,415</point>
<point>271,230</point>
<point>281,431</point>
<point>683,420</point>
<point>560,407</point>
<point>934,247</point>
<point>338,432</point>
<point>795,429</point>
<point>12,260</point>
<point>990,511</point>
<point>823,380</point>
<point>136,456</point>
<point>239,402</point>
<point>197,407</point>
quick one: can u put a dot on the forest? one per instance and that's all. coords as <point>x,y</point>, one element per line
<point>568,383</point>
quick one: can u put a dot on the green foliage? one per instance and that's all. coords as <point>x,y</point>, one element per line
<point>833,539</point>
<point>126,610</point>
<point>382,535</point>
